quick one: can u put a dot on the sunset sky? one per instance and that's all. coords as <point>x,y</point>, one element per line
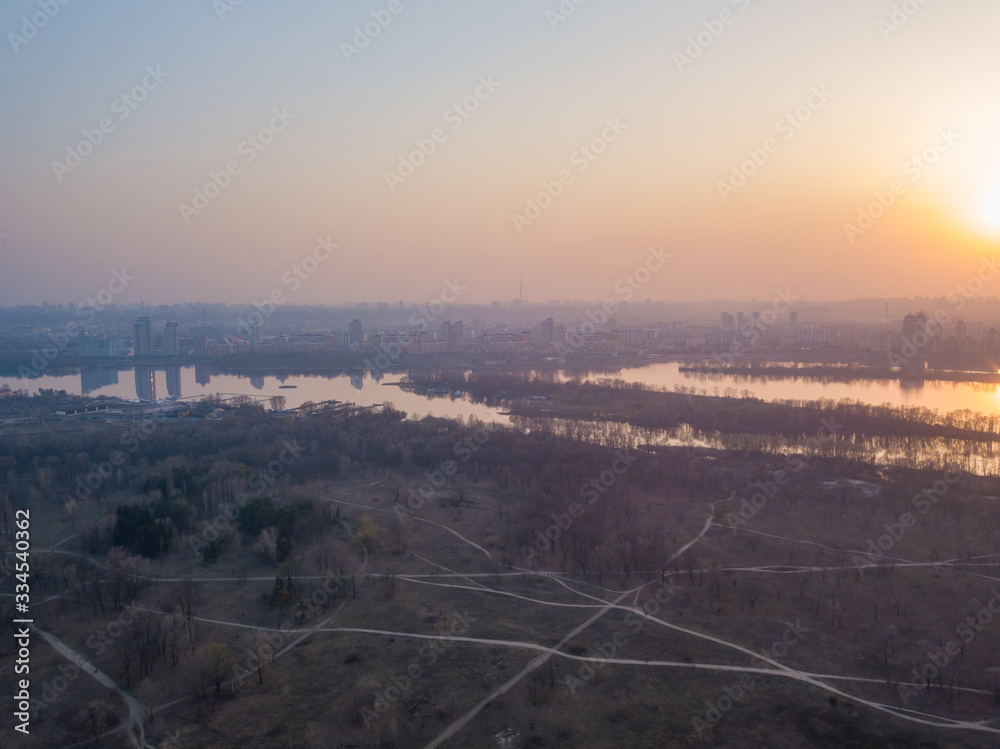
<point>916,104</point>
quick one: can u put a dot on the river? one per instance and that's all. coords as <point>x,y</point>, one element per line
<point>193,382</point>
<point>147,383</point>
<point>935,395</point>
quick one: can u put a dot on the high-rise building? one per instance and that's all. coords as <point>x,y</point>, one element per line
<point>639,338</point>
<point>142,337</point>
<point>914,323</point>
<point>451,334</point>
<point>419,343</point>
<point>960,329</point>
<point>91,345</point>
<point>727,321</point>
<point>171,344</point>
<point>548,331</point>
<point>355,332</point>
<point>793,317</point>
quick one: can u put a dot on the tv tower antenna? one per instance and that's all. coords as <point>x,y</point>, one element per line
<point>520,287</point>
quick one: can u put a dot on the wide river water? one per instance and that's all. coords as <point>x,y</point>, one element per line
<point>196,381</point>
<point>192,382</point>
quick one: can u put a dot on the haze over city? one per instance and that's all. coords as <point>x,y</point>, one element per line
<point>690,112</point>
<point>402,374</point>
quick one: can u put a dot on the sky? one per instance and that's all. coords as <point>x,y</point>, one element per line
<point>217,151</point>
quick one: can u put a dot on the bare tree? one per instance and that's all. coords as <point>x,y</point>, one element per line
<point>188,594</point>
<point>267,545</point>
<point>124,654</point>
<point>144,635</point>
<point>148,694</point>
<point>196,675</point>
<point>99,715</point>
<point>662,552</point>
<point>125,576</point>
<point>400,531</point>
<point>994,674</point>
<point>217,664</point>
<point>258,651</point>
<point>172,627</point>
<point>690,560</point>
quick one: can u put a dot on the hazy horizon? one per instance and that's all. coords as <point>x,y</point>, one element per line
<point>871,99</point>
<point>512,305</point>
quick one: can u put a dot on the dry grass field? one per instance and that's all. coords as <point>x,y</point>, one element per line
<point>421,638</point>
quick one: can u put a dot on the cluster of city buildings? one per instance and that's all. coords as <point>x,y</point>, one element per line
<point>765,330</point>
<point>924,334</point>
<point>169,344</point>
<point>597,334</point>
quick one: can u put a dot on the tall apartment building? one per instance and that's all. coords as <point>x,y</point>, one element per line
<point>914,323</point>
<point>171,344</point>
<point>548,332</point>
<point>356,336</point>
<point>142,337</point>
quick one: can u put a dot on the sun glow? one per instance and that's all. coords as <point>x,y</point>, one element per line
<point>989,211</point>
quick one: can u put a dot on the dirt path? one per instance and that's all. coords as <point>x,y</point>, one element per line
<point>135,727</point>
<point>459,724</point>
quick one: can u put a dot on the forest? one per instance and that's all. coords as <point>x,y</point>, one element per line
<point>527,394</point>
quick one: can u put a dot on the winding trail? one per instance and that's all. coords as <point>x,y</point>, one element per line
<point>780,671</point>
<point>599,606</point>
<point>135,728</point>
<point>459,724</point>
